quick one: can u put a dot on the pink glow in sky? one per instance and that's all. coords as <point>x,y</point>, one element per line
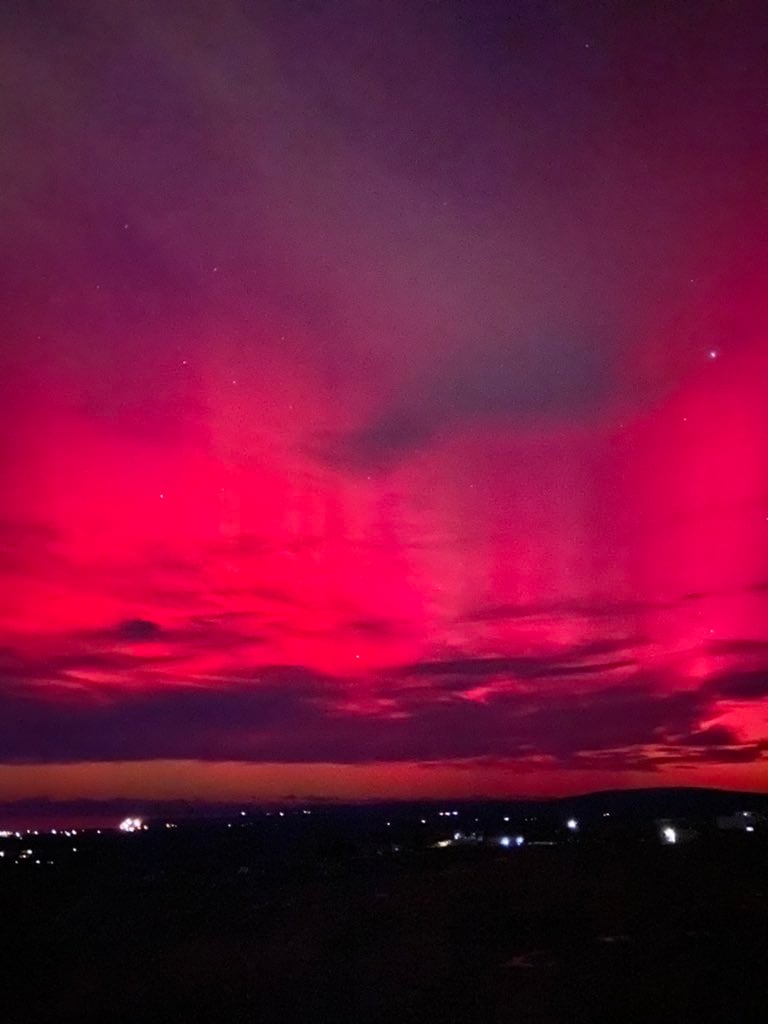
<point>385,401</point>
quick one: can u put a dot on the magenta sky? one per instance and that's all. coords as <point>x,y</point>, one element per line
<point>385,398</point>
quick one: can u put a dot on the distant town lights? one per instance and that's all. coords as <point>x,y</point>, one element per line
<point>572,824</point>
<point>669,835</point>
<point>131,825</point>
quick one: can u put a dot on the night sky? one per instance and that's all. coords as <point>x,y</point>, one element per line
<point>384,397</point>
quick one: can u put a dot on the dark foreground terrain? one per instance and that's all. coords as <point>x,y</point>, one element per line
<point>581,931</point>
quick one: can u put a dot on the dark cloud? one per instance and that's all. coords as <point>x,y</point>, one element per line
<point>137,630</point>
<point>741,685</point>
<point>103,650</point>
<point>239,721</point>
<point>713,736</point>
<point>571,661</point>
<point>744,753</point>
<point>739,647</point>
<point>561,374</point>
<point>60,666</point>
<point>293,714</point>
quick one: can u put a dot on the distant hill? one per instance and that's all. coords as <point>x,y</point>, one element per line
<point>665,802</point>
<point>633,803</point>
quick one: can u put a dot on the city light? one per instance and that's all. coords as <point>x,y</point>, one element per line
<point>669,835</point>
<point>572,824</point>
<point>505,841</point>
<point>131,825</point>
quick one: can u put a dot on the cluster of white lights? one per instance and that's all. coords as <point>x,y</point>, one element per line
<point>508,841</point>
<point>572,824</point>
<point>447,814</point>
<point>131,825</point>
<point>669,835</point>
